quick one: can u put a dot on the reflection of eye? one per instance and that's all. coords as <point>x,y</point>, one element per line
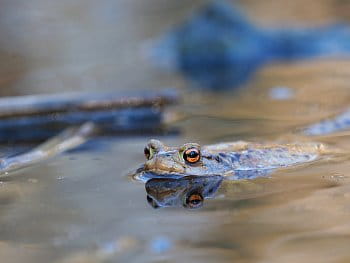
<point>194,200</point>
<point>191,155</point>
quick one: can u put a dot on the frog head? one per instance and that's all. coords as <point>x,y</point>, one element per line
<point>164,159</point>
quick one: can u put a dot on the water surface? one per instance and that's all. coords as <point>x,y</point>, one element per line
<point>82,206</point>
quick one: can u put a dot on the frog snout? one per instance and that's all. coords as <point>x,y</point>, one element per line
<point>150,164</point>
<point>164,163</point>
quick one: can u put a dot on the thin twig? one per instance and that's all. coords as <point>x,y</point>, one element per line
<point>66,140</point>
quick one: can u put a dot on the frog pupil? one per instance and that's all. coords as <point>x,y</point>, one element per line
<point>195,201</point>
<point>191,155</point>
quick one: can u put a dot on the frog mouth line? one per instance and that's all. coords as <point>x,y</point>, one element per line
<point>141,174</point>
<point>144,176</point>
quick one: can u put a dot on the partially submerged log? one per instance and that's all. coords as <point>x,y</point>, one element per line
<point>68,102</point>
<point>38,117</point>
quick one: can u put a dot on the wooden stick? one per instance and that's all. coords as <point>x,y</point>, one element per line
<point>36,118</point>
<point>67,140</point>
<point>83,102</point>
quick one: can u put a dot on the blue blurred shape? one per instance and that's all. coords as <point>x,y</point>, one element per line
<point>218,48</point>
<point>160,244</point>
<point>281,93</point>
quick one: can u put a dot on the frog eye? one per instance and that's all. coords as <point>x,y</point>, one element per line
<point>148,152</point>
<point>194,200</point>
<point>192,155</point>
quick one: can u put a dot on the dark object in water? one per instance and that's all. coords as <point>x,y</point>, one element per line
<point>33,118</point>
<point>188,191</point>
<point>219,48</point>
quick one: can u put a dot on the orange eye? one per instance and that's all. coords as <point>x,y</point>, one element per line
<point>195,200</point>
<point>192,155</point>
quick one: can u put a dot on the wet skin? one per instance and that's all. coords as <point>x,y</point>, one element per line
<point>225,159</point>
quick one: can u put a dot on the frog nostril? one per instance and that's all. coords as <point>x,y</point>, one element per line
<point>147,153</point>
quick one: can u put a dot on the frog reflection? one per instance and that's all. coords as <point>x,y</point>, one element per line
<point>188,191</point>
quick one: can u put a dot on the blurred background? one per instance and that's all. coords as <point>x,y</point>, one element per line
<point>49,47</point>
<point>82,206</point>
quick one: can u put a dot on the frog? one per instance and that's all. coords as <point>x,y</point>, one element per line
<point>240,159</point>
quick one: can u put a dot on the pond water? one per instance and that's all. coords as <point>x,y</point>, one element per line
<point>83,207</point>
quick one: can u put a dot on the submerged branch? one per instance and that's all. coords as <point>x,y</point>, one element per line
<point>66,140</point>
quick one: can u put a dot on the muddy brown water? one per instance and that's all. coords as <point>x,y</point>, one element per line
<point>82,206</point>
